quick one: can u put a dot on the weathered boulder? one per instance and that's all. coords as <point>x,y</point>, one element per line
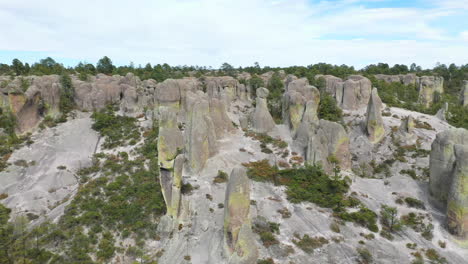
<point>356,92</point>
<point>442,161</point>
<point>351,94</point>
<point>457,204</point>
<point>442,113</point>
<point>261,119</point>
<point>464,94</point>
<point>448,181</point>
<point>326,140</point>
<point>429,86</point>
<point>374,123</point>
<point>172,92</point>
<point>405,134</point>
<point>239,241</point>
<point>299,94</point>
<point>221,122</point>
<point>333,86</point>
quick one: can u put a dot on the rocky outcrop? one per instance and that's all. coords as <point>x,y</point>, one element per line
<point>442,113</point>
<point>464,94</point>
<point>299,94</point>
<point>261,119</point>
<point>356,92</point>
<point>405,134</point>
<point>171,140</point>
<point>374,123</point>
<point>319,141</point>
<point>239,241</point>
<point>351,94</point>
<point>201,132</point>
<point>405,79</point>
<point>226,88</point>
<point>429,86</point>
<point>30,98</point>
<point>448,183</point>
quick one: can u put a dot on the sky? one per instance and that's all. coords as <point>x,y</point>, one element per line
<point>240,32</point>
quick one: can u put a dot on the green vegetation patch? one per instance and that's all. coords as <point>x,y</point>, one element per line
<point>118,130</point>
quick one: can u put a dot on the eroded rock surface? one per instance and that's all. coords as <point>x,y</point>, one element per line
<point>239,239</point>
<point>429,87</point>
<point>350,94</point>
<point>374,123</point>
<point>299,94</point>
<point>261,119</point>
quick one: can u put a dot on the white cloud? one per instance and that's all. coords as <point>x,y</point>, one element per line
<point>209,32</point>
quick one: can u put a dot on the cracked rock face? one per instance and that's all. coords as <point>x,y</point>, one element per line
<point>449,177</point>
<point>374,123</point>
<point>239,241</point>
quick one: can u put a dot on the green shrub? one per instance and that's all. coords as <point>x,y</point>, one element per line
<point>364,217</point>
<point>365,256</point>
<point>309,244</point>
<point>413,202</point>
<point>118,130</point>
<point>328,108</point>
<point>221,177</point>
<point>266,261</point>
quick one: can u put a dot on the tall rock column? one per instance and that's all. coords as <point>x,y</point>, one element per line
<point>457,206</point>
<point>448,182</point>
<point>239,242</point>
<point>464,94</point>
<point>170,144</point>
<point>374,123</point>
<point>428,87</point>
<point>200,135</point>
<point>262,122</point>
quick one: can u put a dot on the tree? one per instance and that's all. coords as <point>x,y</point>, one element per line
<point>105,65</point>
<point>389,218</point>
<point>228,69</point>
<point>17,67</point>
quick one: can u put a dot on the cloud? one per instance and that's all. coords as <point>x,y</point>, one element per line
<point>210,32</point>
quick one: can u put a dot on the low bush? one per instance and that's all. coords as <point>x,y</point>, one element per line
<point>309,244</point>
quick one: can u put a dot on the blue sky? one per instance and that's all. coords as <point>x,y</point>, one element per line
<point>210,32</point>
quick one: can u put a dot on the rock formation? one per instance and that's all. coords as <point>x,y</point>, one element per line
<point>442,113</point>
<point>464,94</point>
<point>448,183</point>
<point>405,134</point>
<point>30,98</point>
<point>351,94</point>
<point>261,119</point>
<point>170,146</point>
<point>326,140</point>
<point>239,241</point>
<point>405,79</point>
<point>321,140</point>
<point>200,135</point>
<point>429,86</point>
<point>374,123</point>
<point>297,95</point>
